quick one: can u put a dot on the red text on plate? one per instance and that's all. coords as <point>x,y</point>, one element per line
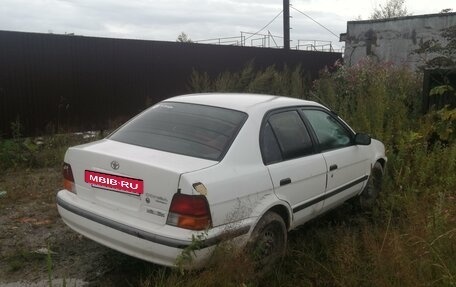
<point>121,183</point>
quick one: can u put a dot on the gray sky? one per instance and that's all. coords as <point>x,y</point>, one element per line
<point>200,19</point>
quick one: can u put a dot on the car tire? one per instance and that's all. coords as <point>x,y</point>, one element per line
<point>268,241</point>
<point>368,197</point>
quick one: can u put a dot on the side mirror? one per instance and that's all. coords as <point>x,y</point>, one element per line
<point>362,139</point>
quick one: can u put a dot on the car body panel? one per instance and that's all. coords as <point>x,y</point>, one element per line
<point>253,104</point>
<point>153,242</point>
<point>307,182</point>
<point>238,182</point>
<point>353,166</point>
<point>239,187</point>
<point>159,170</point>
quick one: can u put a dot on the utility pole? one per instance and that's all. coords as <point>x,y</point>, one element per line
<point>286,24</point>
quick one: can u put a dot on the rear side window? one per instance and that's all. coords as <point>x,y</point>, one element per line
<point>182,128</point>
<point>269,147</point>
<point>291,135</point>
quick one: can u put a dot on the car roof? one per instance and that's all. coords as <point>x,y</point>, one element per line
<point>242,101</point>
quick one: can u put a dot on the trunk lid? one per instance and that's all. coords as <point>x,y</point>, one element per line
<point>137,181</point>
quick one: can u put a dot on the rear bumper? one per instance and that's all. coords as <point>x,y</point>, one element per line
<point>153,247</point>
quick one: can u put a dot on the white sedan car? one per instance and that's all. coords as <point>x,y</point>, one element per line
<point>215,166</point>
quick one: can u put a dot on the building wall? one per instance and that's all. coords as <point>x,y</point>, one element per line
<point>393,40</point>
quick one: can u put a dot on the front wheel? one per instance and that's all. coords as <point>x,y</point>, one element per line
<point>370,193</point>
<point>268,241</point>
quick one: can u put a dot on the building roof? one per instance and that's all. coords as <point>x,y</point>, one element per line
<point>449,14</point>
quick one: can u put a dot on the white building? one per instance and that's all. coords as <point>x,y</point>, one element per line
<point>394,39</point>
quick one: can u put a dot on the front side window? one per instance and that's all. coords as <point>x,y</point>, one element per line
<point>182,128</point>
<point>330,133</point>
<point>288,132</point>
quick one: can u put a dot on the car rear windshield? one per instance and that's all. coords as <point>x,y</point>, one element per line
<point>189,129</point>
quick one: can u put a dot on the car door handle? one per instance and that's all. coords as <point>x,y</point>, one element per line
<point>332,167</point>
<point>285,181</point>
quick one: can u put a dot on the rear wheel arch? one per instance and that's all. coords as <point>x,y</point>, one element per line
<point>276,205</point>
<point>284,212</point>
<point>268,241</point>
<point>382,161</point>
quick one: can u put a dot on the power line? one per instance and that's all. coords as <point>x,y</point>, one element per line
<point>270,22</point>
<point>315,21</point>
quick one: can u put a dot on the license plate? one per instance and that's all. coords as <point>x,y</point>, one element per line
<point>114,182</point>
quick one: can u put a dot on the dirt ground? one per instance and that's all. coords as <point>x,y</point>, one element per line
<point>36,245</point>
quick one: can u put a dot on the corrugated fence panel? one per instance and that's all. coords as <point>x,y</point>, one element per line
<point>60,82</point>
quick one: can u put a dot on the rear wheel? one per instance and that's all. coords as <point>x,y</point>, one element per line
<point>268,241</point>
<point>370,193</point>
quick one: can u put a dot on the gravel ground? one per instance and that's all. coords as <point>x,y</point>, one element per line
<point>35,244</point>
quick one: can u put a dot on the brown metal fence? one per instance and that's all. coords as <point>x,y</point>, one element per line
<point>60,82</point>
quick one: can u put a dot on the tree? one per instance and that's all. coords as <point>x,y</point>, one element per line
<point>439,56</point>
<point>183,38</point>
<point>439,53</point>
<point>393,8</point>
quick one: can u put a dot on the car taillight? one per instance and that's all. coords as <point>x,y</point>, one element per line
<point>68,179</point>
<point>189,212</point>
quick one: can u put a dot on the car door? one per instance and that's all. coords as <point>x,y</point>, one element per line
<point>347,163</point>
<point>297,171</point>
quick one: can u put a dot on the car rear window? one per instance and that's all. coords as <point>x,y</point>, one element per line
<point>189,129</point>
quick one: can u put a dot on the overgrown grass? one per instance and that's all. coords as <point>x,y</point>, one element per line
<point>39,152</point>
<point>286,81</point>
<point>409,239</point>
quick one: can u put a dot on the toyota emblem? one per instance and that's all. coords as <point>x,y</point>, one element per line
<point>115,165</point>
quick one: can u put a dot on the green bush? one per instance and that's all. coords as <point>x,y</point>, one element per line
<point>48,151</point>
<point>410,239</point>
<point>286,82</point>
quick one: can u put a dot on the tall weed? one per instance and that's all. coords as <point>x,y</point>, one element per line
<point>287,81</point>
<point>39,152</point>
<point>410,239</point>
